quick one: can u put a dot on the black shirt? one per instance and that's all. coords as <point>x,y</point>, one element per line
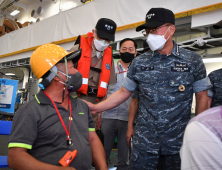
<point>37,127</point>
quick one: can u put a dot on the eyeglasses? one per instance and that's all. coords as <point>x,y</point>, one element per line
<point>152,30</point>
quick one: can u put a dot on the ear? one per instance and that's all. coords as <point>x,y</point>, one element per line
<point>119,52</point>
<point>172,29</point>
<point>135,54</point>
<point>93,31</point>
<point>56,78</point>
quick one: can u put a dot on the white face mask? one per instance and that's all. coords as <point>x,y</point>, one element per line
<point>156,42</point>
<point>100,45</point>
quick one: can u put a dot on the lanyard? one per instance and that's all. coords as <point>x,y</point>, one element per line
<point>119,70</point>
<point>70,108</point>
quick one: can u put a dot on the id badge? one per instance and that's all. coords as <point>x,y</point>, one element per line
<point>68,158</point>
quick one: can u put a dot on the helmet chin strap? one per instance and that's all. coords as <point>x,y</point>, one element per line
<point>66,82</point>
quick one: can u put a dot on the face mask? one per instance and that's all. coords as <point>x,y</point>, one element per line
<point>74,81</point>
<point>127,57</point>
<point>156,42</point>
<point>100,45</point>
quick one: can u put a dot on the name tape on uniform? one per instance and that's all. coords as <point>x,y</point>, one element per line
<point>180,67</point>
<point>147,68</point>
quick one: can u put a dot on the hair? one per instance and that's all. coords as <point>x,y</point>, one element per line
<point>128,39</point>
<point>46,75</point>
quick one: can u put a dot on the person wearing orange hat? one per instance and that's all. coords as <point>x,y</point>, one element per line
<point>46,129</point>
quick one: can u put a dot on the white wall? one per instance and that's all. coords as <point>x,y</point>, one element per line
<point>49,9</point>
<point>206,19</point>
<point>213,66</point>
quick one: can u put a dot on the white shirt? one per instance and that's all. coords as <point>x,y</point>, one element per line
<point>201,149</point>
<point>124,70</point>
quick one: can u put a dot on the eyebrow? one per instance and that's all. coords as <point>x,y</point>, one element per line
<point>126,47</point>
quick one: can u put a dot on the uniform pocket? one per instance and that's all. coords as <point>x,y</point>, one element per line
<point>173,82</point>
<point>180,89</point>
<point>148,88</point>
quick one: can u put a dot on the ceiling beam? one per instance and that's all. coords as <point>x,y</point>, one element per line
<point>21,5</point>
<point>2,2</point>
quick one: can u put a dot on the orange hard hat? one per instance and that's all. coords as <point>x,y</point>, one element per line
<point>45,57</point>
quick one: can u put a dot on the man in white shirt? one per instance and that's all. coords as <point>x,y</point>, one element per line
<point>114,121</point>
<point>202,142</point>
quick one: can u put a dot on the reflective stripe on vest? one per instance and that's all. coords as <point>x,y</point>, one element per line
<point>84,66</point>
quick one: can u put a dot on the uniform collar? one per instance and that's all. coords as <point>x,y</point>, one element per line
<point>119,64</point>
<point>41,98</point>
<point>175,51</point>
<point>121,67</point>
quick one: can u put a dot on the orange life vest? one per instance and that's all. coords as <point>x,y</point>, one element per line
<point>84,66</point>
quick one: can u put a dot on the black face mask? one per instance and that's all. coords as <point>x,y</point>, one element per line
<point>74,81</point>
<point>127,57</point>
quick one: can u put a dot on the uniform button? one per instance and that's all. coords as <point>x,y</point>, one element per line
<point>181,88</point>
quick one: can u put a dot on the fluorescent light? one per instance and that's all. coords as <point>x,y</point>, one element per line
<point>10,74</point>
<point>15,12</point>
<point>212,60</point>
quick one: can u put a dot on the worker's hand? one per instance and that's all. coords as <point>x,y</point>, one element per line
<point>92,107</point>
<point>129,134</point>
<point>98,122</point>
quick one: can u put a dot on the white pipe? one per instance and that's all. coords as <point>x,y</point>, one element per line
<point>195,39</point>
<point>212,40</point>
<point>60,4</point>
<point>190,45</point>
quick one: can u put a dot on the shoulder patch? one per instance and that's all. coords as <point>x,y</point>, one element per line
<point>107,66</point>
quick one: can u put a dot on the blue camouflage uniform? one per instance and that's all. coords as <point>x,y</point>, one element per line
<point>166,85</point>
<point>216,91</point>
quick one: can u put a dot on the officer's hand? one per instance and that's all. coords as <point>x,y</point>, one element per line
<point>92,107</point>
<point>129,134</point>
<point>98,122</point>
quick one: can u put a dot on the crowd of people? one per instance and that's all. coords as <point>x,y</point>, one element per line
<point>144,100</point>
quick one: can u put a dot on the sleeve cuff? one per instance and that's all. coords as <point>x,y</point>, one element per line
<point>210,94</point>
<point>201,85</point>
<point>19,145</point>
<point>91,129</point>
<point>135,94</point>
<point>129,84</point>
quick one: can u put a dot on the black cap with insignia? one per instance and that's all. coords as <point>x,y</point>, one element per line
<point>106,29</point>
<point>157,17</point>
